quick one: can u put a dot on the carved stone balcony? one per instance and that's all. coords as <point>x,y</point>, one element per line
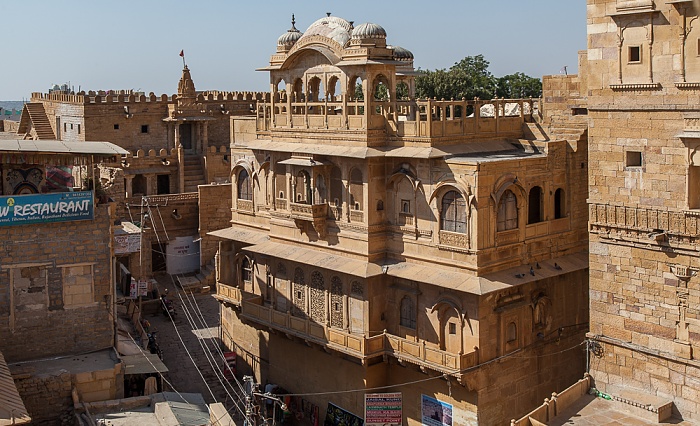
<point>358,345</point>
<point>640,222</point>
<point>423,355</point>
<point>228,294</point>
<point>316,214</point>
<point>244,205</point>
<point>280,204</point>
<point>357,216</point>
<point>453,240</point>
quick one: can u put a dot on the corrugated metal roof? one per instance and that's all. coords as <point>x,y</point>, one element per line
<point>320,259</point>
<point>61,147</point>
<point>12,410</point>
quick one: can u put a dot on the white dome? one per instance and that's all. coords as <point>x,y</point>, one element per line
<point>289,38</point>
<point>368,30</point>
<point>333,27</point>
<point>401,54</point>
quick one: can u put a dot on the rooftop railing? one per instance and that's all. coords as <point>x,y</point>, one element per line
<point>427,118</point>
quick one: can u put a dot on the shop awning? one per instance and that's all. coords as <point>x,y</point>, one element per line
<point>317,258</point>
<point>143,363</point>
<point>12,410</point>
<point>61,147</point>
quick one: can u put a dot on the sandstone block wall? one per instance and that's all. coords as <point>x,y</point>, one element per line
<point>214,214</point>
<point>39,315</point>
<point>48,397</point>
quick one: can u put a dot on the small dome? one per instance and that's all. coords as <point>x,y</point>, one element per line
<point>290,37</point>
<point>368,30</point>
<point>333,27</point>
<point>401,54</point>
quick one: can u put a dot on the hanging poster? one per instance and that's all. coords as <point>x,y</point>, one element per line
<point>43,208</point>
<point>127,243</point>
<point>434,412</point>
<point>383,409</point>
<point>336,416</point>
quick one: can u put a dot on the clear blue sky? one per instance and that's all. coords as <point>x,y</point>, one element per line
<point>135,44</point>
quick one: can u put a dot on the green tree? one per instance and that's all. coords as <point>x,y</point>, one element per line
<point>470,78</point>
<point>518,85</point>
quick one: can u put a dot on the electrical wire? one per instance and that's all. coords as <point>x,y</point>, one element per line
<point>212,363</point>
<point>206,327</point>
<point>193,327</point>
<point>208,355</point>
<point>182,341</point>
<point>397,385</point>
<point>156,370</point>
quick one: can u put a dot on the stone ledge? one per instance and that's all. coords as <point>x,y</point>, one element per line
<point>637,86</point>
<point>649,407</point>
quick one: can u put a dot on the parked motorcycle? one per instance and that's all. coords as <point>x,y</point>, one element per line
<point>153,346</point>
<point>167,306</point>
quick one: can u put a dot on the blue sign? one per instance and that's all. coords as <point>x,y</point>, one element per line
<point>44,208</point>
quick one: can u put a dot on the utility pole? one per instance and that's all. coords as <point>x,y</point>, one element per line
<point>250,389</point>
<point>252,410</point>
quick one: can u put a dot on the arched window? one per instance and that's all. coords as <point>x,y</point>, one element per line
<point>453,216</point>
<point>246,271</point>
<point>402,91</point>
<point>534,205</point>
<point>507,211</point>
<point>299,294</point>
<point>356,189</point>
<point>511,333</point>
<point>559,206</point>
<point>244,192</point>
<point>336,308</point>
<point>337,187</point>
<point>318,298</point>
<point>408,313</point>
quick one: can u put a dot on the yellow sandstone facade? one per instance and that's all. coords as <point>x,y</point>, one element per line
<point>643,77</point>
<point>427,247</point>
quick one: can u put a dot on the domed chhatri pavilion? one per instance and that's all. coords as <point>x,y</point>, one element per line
<point>430,247</point>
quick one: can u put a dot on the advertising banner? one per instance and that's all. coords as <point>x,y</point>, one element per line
<point>336,416</point>
<point>383,409</point>
<point>127,243</point>
<point>46,208</point>
<point>434,412</point>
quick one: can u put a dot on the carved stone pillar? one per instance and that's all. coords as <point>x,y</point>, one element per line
<point>128,186</point>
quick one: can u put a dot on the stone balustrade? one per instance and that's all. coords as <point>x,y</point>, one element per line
<point>414,118</point>
<point>357,216</point>
<point>453,239</point>
<point>308,211</point>
<point>244,205</point>
<point>609,217</point>
<point>358,345</point>
<point>228,293</point>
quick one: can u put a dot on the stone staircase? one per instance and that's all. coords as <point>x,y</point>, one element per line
<point>571,130</point>
<point>40,121</point>
<point>207,275</point>
<point>194,173</point>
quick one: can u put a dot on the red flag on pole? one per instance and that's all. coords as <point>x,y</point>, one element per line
<point>182,53</point>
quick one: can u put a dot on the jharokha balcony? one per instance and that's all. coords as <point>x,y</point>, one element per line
<point>428,118</point>
<point>358,345</point>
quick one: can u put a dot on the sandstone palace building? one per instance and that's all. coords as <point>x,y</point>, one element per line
<point>644,195</point>
<point>436,248</point>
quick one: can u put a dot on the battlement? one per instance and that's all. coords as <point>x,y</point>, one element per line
<point>152,154</point>
<point>102,97</point>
